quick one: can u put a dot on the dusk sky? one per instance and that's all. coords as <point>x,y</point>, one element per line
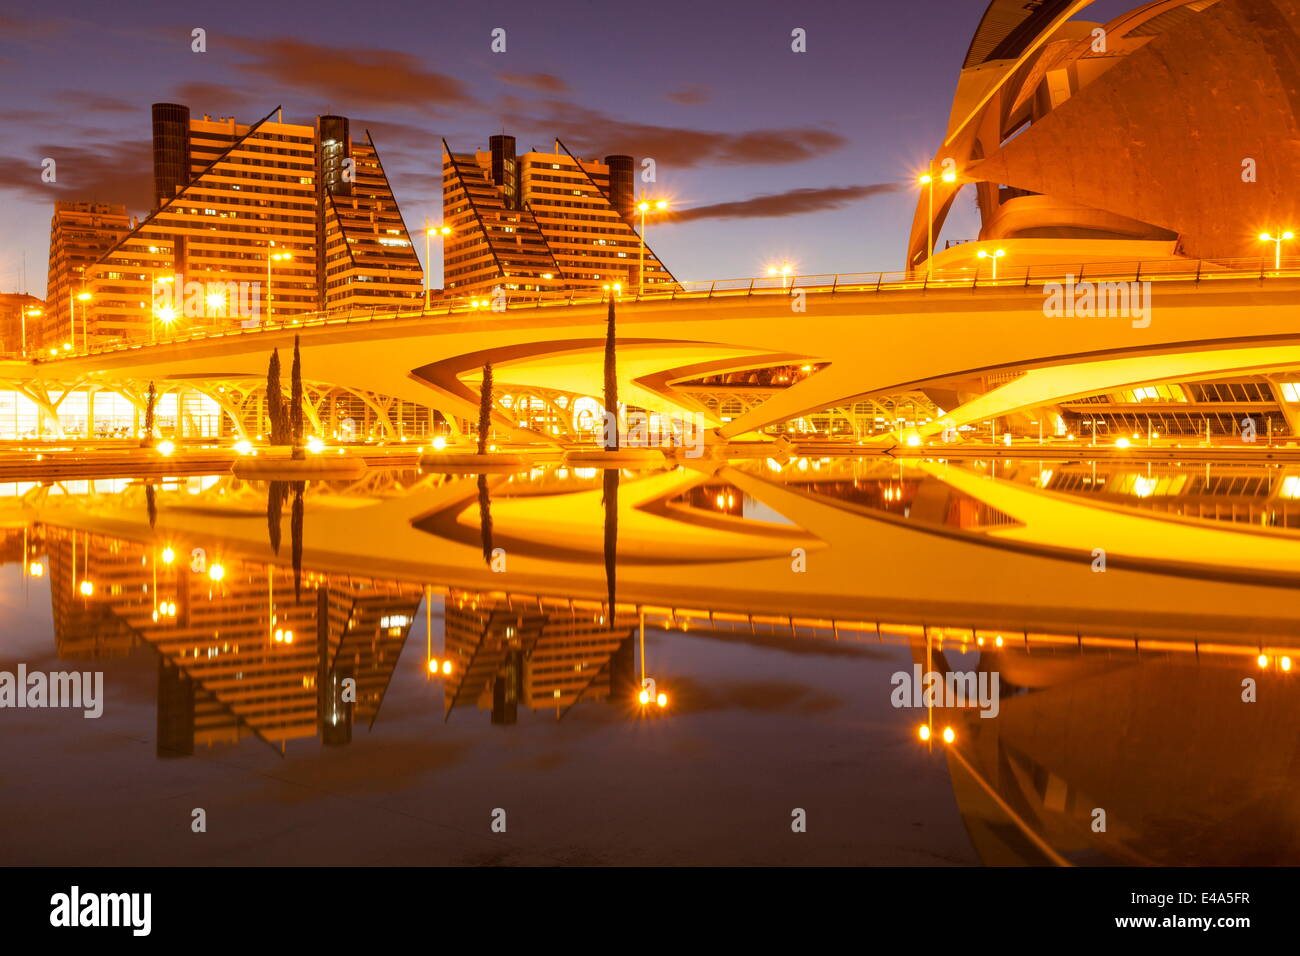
<point>767,154</point>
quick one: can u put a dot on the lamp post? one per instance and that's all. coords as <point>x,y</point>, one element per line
<point>1277,246</point>
<point>995,255</point>
<point>33,313</point>
<point>643,207</point>
<point>428,278</point>
<point>278,256</point>
<point>84,298</point>
<point>927,180</point>
<point>785,270</point>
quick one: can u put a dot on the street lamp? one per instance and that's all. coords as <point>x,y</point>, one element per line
<point>995,256</point>
<point>33,313</point>
<point>1277,246</point>
<point>428,278</point>
<point>643,207</point>
<point>278,256</point>
<point>785,270</point>
<point>84,298</point>
<point>927,180</point>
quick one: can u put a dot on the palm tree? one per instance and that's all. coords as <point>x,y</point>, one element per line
<point>485,409</point>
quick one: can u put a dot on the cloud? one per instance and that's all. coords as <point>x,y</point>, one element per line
<point>119,172</point>
<point>545,82</point>
<point>793,202</point>
<point>691,95</point>
<point>590,132</point>
<point>93,102</point>
<point>351,76</point>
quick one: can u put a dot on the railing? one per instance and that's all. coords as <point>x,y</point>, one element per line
<point>973,279</point>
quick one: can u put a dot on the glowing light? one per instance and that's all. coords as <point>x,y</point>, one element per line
<point>433,665</point>
<point>1122,443</point>
<point>643,697</point>
<point>949,176</point>
<point>165,448</point>
<point>948,735</point>
<point>1285,663</point>
<point>1262,660</point>
<point>924,732</point>
<point>243,446</point>
<point>36,569</point>
<point>998,640</point>
<point>662,700</point>
<point>439,443</point>
<point>315,445</point>
<point>216,572</point>
<point>446,667</point>
<point>85,296</point>
<point>87,588</point>
<point>216,301</point>
<point>168,555</point>
<point>913,440</point>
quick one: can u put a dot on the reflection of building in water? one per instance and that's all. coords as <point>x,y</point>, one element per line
<point>237,653</point>
<point>1185,771</point>
<point>537,651</point>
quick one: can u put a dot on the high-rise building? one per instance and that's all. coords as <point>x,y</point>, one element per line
<point>263,221</point>
<point>540,222</point>
<point>80,232</point>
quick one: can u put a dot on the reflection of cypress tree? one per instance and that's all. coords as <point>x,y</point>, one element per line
<point>485,409</point>
<point>275,494</point>
<point>610,502</point>
<point>611,383</point>
<point>295,402</point>
<point>485,517</point>
<point>150,403</point>
<point>295,530</point>
<point>151,504</point>
<point>275,399</point>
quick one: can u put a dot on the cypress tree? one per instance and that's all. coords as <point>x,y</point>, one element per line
<point>150,403</point>
<point>295,400</point>
<point>485,409</point>
<point>275,400</point>
<point>611,382</point>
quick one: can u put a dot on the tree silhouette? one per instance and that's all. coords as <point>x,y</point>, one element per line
<point>611,382</point>
<point>485,409</point>
<point>275,400</point>
<point>295,400</point>
<point>150,403</point>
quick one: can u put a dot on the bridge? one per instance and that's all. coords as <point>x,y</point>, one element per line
<point>864,335</point>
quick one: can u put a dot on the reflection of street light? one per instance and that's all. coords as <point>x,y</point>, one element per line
<point>643,207</point>
<point>995,256</point>
<point>1277,246</point>
<point>428,277</point>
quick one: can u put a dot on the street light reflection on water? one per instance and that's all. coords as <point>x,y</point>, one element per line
<point>756,614</point>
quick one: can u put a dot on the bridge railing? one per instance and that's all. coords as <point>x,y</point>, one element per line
<point>974,278</point>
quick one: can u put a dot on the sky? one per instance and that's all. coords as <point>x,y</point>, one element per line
<point>767,155</point>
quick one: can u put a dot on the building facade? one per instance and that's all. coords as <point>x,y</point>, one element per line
<point>536,223</point>
<point>253,222</point>
<point>80,232</point>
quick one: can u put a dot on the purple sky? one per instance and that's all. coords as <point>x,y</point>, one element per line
<point>807,157</point>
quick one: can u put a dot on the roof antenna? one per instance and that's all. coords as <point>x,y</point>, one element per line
<point>279,114</point>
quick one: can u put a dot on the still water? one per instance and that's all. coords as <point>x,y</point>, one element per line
<point>659,666</point>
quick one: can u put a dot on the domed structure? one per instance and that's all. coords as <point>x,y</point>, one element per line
<point>1173,130</point>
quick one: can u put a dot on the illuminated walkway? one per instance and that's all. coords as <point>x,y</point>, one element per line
<point>889,334</point>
